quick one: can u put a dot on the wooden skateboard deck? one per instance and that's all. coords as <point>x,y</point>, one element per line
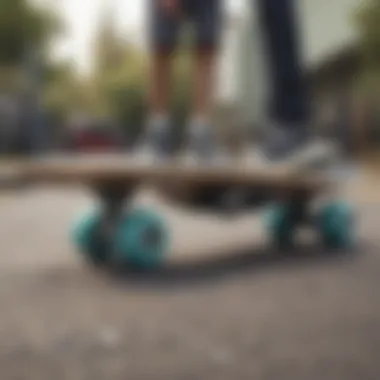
<point>184,185</point>
<point>89,169</point>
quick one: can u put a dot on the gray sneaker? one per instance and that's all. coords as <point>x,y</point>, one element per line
<point>297,150</point>
<point>155,146</point>
<point>202,148</point>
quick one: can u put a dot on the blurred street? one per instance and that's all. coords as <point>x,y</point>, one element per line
<point>226,307</point>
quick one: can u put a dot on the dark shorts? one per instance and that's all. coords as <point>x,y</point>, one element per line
<point>203,15</point>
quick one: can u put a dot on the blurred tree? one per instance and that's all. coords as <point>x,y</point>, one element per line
<point>367,107</point>
<point>117,65</point>
<point>368,23</point>
<point>65,91</point>
<point>23,26</point>
<point>26,31</point>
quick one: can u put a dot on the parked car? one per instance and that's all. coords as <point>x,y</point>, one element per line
<point>94,136</point>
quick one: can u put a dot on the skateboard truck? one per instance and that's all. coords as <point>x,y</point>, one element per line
<point>118,233</point>
<point>112,197</point>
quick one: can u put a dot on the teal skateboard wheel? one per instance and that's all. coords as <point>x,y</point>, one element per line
<point>142,239</point>
<point>86,238</point>
<point>280,224</point>
<point>336,224</point>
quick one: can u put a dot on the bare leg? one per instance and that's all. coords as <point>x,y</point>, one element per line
<point>207,20</point>
<point>156,141</point>
<point>202,137</point>
<point>160,83</point>
<point>204,83</point>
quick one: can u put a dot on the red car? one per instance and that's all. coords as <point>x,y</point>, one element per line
<point>95,138</point>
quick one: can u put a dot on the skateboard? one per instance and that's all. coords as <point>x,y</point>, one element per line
<point>118,233</point>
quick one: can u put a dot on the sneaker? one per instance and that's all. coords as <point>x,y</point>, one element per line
<point>203,148</point>
<point>296,150</point>
<point>156,144</point>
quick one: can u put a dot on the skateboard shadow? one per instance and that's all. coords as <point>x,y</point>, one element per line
<point>244,262</point>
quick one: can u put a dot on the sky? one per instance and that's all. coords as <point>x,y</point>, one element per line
<point>81,18</point>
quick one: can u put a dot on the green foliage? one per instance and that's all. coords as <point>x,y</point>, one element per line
<point>367,20</point>
<point>64,90</point>
<point>23,25</point>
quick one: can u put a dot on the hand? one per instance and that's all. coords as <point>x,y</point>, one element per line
<point>172,7</point>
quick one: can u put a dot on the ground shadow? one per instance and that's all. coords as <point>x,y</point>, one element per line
<point>243,262</point>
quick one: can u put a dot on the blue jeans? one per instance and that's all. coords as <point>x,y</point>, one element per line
<point>290,99</point>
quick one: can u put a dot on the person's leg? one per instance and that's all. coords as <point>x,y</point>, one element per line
<point>206,17</point>
<point>204,76</point>
<point>289,108</point>
<point>290,103</point>
<point>207,20</point>
<point>159,82</point>
<point>163,34</point>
